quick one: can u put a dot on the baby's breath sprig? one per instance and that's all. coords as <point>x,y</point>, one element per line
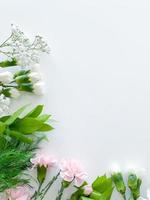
<point>20,50</point>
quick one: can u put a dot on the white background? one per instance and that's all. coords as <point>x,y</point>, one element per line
<point>98,77</point>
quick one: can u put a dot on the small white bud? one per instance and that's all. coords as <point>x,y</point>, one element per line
<point>38,88</point>
<point>6,77</point>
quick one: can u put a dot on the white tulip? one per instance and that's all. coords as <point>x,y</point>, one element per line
<point>6,77</point>
<point>14,93</point>
<point>38,88</point>
<point>34,77</point>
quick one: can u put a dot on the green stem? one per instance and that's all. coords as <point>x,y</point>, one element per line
<point>10,86</point>
<point>60,192</point>
<point>47,187</point>
<point>3,44</point>
<point>36,193</point>
<point>6,54</point>
<point>124,196</point>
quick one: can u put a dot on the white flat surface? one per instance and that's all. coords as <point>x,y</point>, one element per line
<point>98,76</point>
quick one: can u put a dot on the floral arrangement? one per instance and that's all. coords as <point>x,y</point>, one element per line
<point>22,132</point>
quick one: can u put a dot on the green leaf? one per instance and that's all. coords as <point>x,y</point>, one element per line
<point>21,72</point>
<point>8,63</point>
<point>22,79</point>
<point>43,118</point>
<point>35,112</point>
<point>85,198</point>
<point>76,195</point>
<point>6,92</point>
<point>25,87</point>
<point>107,194</point>
<point>102,183</point>
<point>2,142</point>
<point>28,125</point>
<point>46,127</point>
<point>19,136</point>
<point>2,127</point>
<point>4,118</point>
<point>96,195</point>
<point>15,115</point>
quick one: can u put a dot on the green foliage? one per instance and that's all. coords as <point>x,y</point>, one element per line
<point>18,143</point>
<point>15,115</point>
<point>21,73</point>
<point>15,158</point>
<point>23,128</point>
<point>101,183</point>
<point>8,63</point>
<point>35,112</point>
<point>12,164</point>
<point>102,190</point>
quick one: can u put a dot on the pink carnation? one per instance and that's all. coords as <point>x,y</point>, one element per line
<point>87,190</point>
<point>19,193</point>
<point>72,170</point>
<point>44,160</point>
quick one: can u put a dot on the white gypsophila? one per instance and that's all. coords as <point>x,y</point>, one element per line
<point>34,77</point>
<point>4,104</point>
<point>14,93</point>
<point>38,88</point>
<point>22,49</point>
<point>6,77</point>
<point>115,168</point>
<point>139,171</point>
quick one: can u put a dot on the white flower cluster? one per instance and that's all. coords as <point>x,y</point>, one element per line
<point>25,53</point>
<point>22,49</point>
<point>10,86</point>
<point>6,78</point>
<point>36,79</point>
